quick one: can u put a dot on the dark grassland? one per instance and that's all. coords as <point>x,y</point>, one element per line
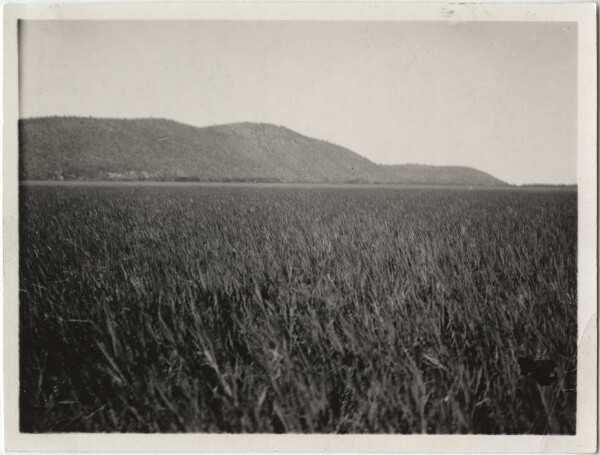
<point>296,309</point>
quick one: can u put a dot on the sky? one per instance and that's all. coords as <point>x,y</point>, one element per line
<point>497,96</point>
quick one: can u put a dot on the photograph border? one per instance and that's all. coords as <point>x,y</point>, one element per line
<point>584,14</point>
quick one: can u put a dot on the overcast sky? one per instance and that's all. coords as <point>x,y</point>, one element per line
<point>500,97</point>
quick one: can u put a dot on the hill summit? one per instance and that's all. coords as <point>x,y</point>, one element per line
<point>75,148</point>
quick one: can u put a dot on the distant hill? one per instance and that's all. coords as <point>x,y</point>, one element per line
<point>73,148</point>
<point>440,175</point>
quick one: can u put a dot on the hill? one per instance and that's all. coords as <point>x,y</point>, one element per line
<point>440,175</point>
<point>75,148</point>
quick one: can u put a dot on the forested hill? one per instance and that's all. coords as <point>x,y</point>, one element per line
<point>440,175</point>
<point>74,148</point>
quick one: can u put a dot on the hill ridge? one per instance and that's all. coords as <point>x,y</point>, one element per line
<point>92,148</point>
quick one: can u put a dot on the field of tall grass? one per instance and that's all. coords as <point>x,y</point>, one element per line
<point>332,310</point>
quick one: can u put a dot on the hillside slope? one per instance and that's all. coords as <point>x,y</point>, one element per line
<point>156,149</point>
<point>439,175</point>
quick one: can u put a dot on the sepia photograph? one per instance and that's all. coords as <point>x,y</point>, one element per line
<point>323,226</point>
